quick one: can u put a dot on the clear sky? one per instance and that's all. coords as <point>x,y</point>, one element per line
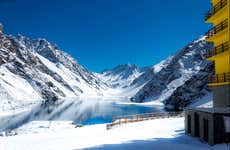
<point>101,34</point>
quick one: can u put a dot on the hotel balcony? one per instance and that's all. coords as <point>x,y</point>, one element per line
<point>216,8</point>
<point>217,30</point>
<point>218,50</point>
<point>220,78</point>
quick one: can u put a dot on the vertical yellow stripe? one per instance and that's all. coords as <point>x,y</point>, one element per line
<point>229,31</point>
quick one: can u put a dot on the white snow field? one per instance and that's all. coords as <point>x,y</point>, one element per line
<point>159,134</point>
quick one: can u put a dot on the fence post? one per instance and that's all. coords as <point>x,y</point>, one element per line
<point>177,114</point>
<point>224,77</point>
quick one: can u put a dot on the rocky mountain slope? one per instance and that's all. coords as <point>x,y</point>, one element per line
<point>176,81</point>
<point>32,70</point>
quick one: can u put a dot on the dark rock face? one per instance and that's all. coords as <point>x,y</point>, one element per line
<point>194,88</point>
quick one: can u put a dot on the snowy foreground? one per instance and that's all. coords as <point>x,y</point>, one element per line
<point>159,134</point>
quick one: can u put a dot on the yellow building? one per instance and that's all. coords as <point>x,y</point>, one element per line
<point>220,54</point>
<point>211,124</point>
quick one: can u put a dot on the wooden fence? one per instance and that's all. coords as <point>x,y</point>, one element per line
<point>118,120</point>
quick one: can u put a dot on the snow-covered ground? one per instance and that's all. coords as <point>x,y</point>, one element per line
<point>205,101</point>
<point>159,134</point>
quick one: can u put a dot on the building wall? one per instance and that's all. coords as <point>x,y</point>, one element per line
<point>221,60</point>
<point>219,124</point>
<point>205,124</point>
<point>215,127</point>
<point>222,63</point>
<point>221,95</point>
<point>219,38</point>
<point>202,116</point>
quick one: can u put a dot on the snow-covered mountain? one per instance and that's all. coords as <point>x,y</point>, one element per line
<point>32,70</point>
<point>36,74</point>
<point>176,81</point>
<point>180,78</point>
<point>121,76</point>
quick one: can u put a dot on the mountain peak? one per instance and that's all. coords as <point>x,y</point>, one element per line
<point>121,75</point>
<point>121,67</point>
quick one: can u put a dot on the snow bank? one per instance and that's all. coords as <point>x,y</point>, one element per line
<point>163,134</point>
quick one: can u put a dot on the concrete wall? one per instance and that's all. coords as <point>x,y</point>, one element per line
<point>220,134</point>
<point>221,96</point>
<point>202,116</point>
<point>216,128</point>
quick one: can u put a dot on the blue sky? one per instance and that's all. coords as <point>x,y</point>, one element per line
<point>101,34</point>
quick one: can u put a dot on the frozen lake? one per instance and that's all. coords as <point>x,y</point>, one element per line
<point>81,111</point>
<point>103,112</point>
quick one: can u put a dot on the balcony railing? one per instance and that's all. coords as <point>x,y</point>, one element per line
<point>218,49</point>
<point>216,8</point>
<point>220,27</point>
<point>220,78</point>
